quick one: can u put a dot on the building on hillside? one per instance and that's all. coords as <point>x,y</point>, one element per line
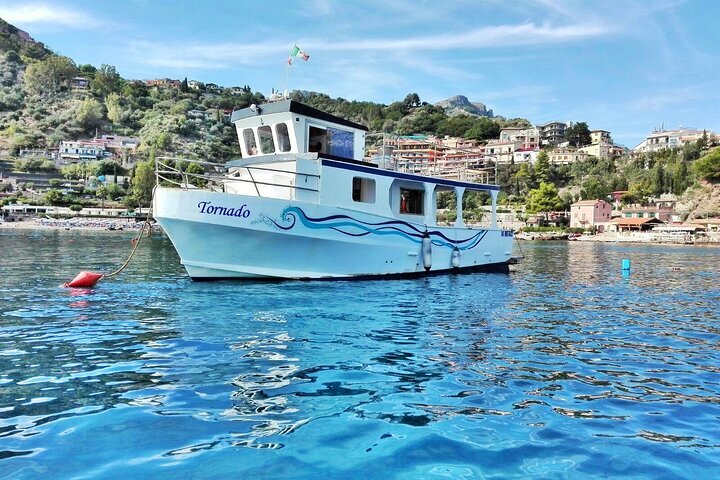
<point>590,213</point>
<point>37,153</point>
<point>80,151</point>
<point>617,197</point>
<point>195,85</point>
<point>120,143</point>
<point>527,138</point>
<point>548,219</point>
<point>600,136</point>
<point>122,148</point>
<point>212,87</point>
<point>415,153</point>
<point>501,152</point>
<point>463,144</point>
<point>566,156</point>
<point>599,150</point>
<point>661,139</point>
<point>552,133</point>
<point>526,155</point>
<point>79,83</point>
<point>163,82</point>
<point>449,157</point>
<point>618,151</point>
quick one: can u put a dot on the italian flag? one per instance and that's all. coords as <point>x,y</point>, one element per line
<point>297,52</point>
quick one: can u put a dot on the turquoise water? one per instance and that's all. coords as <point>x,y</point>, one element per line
<point>561,369</point>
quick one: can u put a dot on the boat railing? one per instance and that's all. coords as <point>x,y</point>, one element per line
<point>216,177</point>
<point>177,172</point>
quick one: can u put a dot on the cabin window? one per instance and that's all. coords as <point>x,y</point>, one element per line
<point>267,145</point>
<point>411,201</point>
<point>331,140</point>
<point>283,137</point>
<point>363,190</point>
<point>340,143</point>
<point>317,138</point>
<point>250,144</point>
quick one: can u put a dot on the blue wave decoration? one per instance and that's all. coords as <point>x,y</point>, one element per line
<point>348,225</point>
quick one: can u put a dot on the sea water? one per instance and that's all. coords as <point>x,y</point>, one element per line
<point>564,368</point>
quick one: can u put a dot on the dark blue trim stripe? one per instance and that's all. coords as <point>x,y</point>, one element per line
<point>407,176</point>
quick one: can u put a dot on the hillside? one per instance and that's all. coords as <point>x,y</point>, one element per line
<point>12,39</point>
<point>39,109</point>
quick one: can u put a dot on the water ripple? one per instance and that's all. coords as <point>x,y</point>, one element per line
<point>563,369</point>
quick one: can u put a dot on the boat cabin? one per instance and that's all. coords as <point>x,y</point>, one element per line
<point>292,127</point>
<point>295,152</point>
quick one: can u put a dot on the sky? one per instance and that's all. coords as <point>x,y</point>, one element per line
<point>626,66</point>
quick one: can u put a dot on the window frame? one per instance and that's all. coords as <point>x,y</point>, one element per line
<point>410,205</point>
<point>366,187</point>
<point>283,136</point>
<point>250,147</point>
<point>267,134</point>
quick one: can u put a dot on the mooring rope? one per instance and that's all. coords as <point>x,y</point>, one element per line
<point>522,254</point>
<point>137,242</point>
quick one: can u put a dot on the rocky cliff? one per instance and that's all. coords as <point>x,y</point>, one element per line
<point>459,104</point>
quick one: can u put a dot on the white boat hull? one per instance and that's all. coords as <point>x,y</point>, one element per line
<point>220,235</point>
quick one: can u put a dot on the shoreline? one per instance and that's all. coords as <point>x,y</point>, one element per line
<point>86,224</point>
<point>624,239</point>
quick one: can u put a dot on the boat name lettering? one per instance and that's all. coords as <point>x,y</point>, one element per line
<point>209,209</point>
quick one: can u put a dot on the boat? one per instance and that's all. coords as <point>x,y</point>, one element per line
<point>304,203</point>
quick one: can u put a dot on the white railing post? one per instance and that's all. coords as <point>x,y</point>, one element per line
<point>459,192</point>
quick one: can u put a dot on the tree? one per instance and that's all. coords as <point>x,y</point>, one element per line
<point>544,199</point>
<point>144,182</point>
<point>102,193</point>
<point>542,167</point>
<point>658,180</point>
<point>708,167</point>
<point>53,197</point>
<point>184,88</point>
<point>89,114</point>
<point>594,188</point>
<point>114,191</point>
<point>114,109</point>
<point>578,135</point>
<point>106,80</point>
<point>680,181</point>
<point>412,100</point>
<point>525,178</point>
<point>55,183</point>
<point>50,75</point>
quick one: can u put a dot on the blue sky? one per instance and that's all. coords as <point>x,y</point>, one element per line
<point>624,66</point>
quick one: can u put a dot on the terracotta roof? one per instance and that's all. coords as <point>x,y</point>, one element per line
<point>633,222</point>
<point>586,202</point>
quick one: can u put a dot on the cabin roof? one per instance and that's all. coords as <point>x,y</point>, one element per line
<point>294,107</point>
<point>362,167</point>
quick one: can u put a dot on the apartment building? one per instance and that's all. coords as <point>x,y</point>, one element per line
<point>552,133</point>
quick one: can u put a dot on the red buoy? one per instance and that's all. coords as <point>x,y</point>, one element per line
<point>84,280</point>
